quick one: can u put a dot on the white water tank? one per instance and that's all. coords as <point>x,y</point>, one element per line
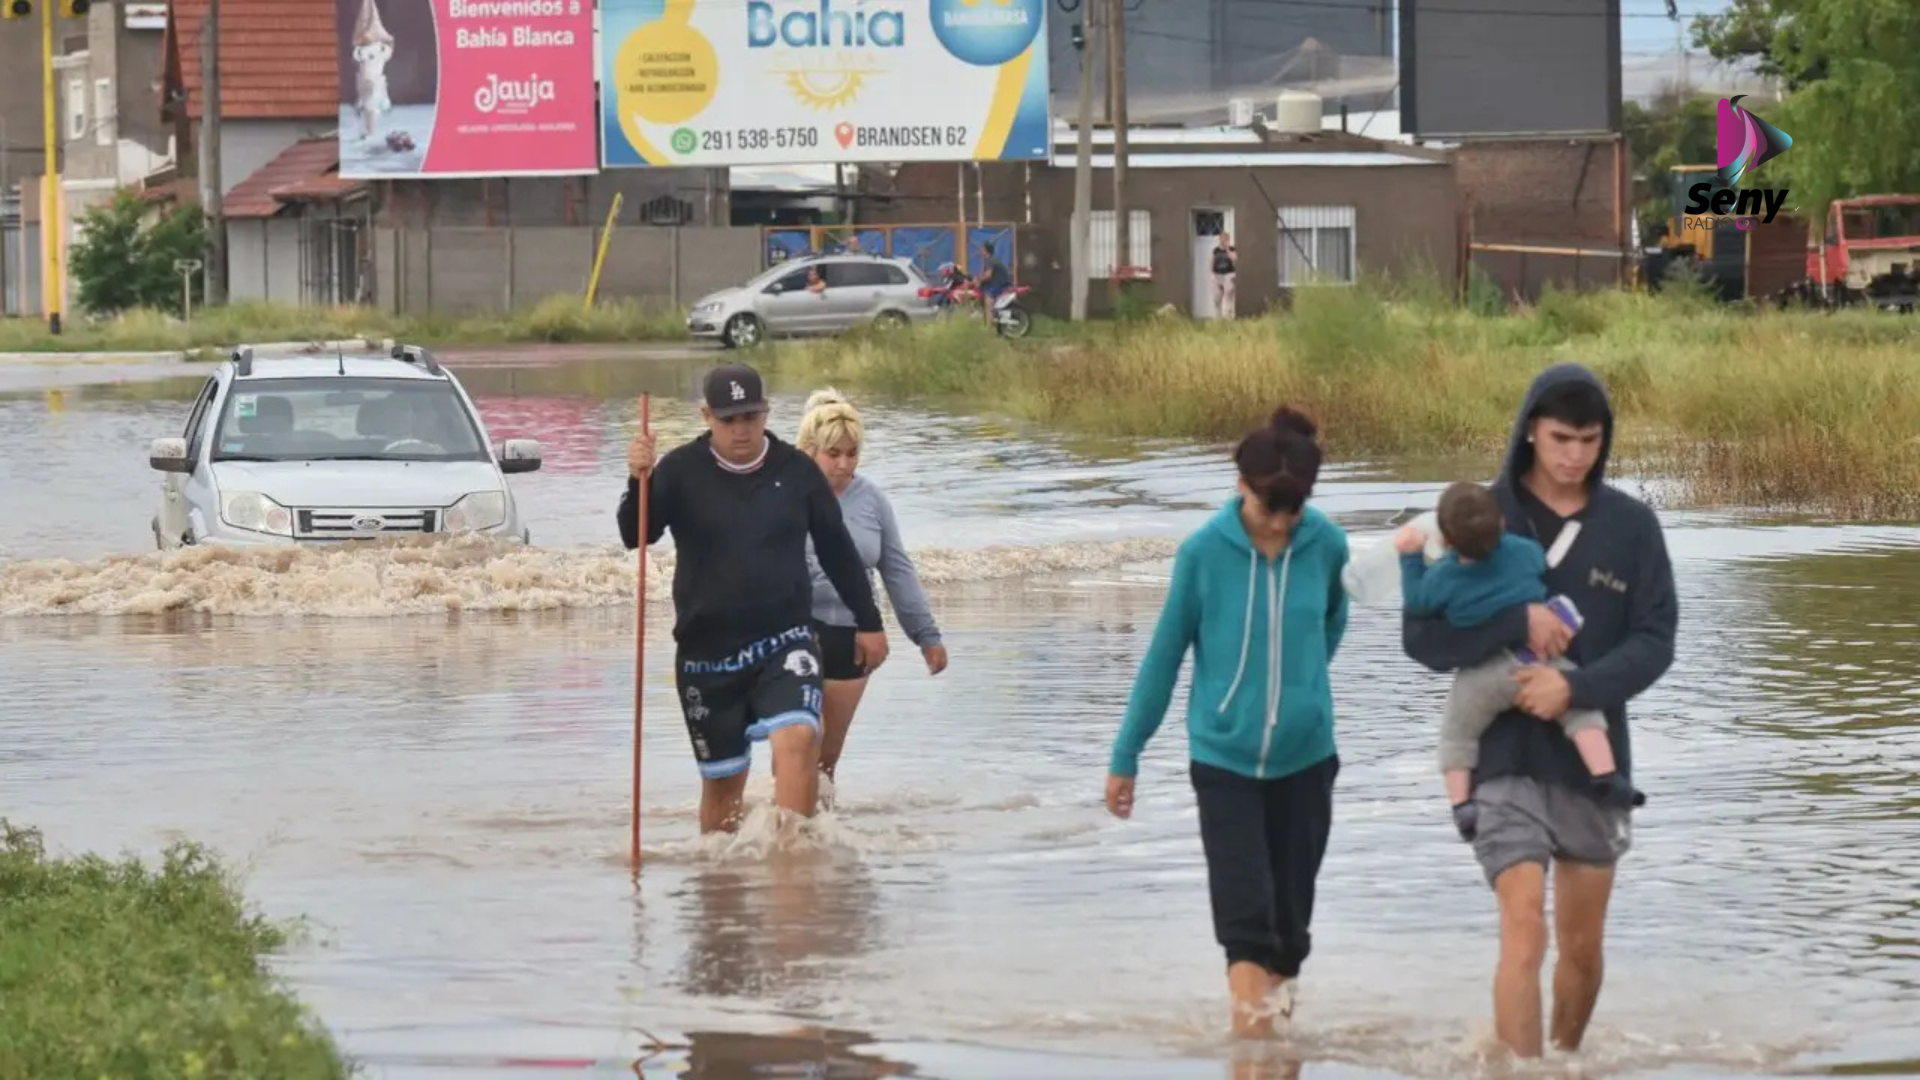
<point>1296,111</point>
<point>1240,111</point>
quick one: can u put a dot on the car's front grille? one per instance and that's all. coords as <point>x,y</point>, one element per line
<point>336,524</point>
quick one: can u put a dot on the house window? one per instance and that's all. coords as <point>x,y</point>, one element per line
<point>103,112</point>
<point>76,109</point>
<point>1100,242</point>
<point>1316,246</point>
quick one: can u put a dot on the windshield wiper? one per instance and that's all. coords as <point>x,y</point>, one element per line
<point>348,457</point>
<point>246,457</point>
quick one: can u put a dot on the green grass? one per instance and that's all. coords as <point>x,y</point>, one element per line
<point>1801,411</point>
<point>555,319</point>
<point>118,971</point>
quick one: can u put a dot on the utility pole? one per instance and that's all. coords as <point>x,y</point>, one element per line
<point>1083,163</point>
<point>51,234</point>
<point>1117,87</point>
<point>212,199</point>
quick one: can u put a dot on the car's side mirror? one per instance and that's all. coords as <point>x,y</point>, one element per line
<point>776,287</point>
<point>520,455</point>
<point>169,455</point>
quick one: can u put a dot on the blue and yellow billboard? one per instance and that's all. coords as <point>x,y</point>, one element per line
<point>760,82</point>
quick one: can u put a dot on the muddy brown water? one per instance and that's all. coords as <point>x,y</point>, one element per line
<point>440,785</point>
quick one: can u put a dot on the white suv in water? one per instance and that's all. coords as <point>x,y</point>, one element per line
<point>353,445</point>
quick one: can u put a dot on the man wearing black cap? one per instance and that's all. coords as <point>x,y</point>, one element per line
<point>741,504</point>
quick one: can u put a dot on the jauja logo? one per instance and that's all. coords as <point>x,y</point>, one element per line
<point>1745,141</point>
<point>512,95</point>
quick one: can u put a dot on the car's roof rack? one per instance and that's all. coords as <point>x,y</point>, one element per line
<point>415,354</point>
<point>243,356</point>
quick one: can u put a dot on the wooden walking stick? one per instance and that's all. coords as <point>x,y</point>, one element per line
<point>640,636</point>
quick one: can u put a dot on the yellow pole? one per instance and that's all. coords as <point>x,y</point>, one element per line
<point>600,256</point>
<point>50,230</point>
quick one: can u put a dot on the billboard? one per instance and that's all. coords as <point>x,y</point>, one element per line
<point>763,82</point>
<point>450,88</point>
<point>1186,60</point>
<point>1509,67</point>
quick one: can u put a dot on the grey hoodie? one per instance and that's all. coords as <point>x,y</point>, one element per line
<point>1616,572</point>
<point>876,533</point>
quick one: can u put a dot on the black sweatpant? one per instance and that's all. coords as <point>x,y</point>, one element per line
<point>1264,840</point>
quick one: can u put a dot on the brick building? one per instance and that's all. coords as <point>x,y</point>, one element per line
<point>1526,199</point>
<point>1322,204</point>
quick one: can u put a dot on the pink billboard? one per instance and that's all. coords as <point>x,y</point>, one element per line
<point>451,88</point>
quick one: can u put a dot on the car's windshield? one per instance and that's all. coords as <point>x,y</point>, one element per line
<point>340,418</point>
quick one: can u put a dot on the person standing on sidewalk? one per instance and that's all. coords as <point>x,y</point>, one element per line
<point>1257,596</point>
<point>1226,260</point>
<point>742,505</point>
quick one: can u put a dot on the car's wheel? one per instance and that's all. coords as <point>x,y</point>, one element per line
<point>891,320</point>
<point>743,332</point>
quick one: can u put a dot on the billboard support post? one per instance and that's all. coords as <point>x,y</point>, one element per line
<point>1083,165</point>
<point>213,196</point>
<point>1117,87</point>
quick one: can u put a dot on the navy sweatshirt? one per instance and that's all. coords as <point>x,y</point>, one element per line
<point>740,543</point>
<point>1617,572</point>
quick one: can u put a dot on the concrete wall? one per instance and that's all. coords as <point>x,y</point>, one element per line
<point>649,197</point>
<point>263,260</point>
<point>470,269</point>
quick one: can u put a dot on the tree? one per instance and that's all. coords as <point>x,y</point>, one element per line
<point>122,261</point>
<point>1676,128</point>
<point>1852,68</point>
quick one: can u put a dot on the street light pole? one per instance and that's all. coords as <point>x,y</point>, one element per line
<point>50,231</point>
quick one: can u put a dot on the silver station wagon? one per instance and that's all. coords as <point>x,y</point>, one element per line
<point>331,447</point>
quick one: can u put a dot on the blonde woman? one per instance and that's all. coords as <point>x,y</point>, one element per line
<point>831,433</point>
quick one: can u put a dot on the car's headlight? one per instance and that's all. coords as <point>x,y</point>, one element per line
<point>480,510</point>
<point>254,512</point>
<point>707,308</point>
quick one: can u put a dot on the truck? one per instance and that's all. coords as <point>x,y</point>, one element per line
<point>1868,253</point>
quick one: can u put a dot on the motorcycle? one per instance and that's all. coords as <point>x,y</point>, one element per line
<point>957,292</point>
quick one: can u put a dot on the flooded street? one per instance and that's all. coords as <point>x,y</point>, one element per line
<point>432,765</point>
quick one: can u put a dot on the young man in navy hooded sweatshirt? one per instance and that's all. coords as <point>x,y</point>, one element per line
<point>1606,552</point>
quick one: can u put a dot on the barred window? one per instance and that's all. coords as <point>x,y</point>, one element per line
<point>1316,245</point>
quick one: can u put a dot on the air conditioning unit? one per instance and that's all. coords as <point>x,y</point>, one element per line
<point>1240,111</point>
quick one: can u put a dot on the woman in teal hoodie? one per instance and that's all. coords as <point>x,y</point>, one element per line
<point>1256,594</point>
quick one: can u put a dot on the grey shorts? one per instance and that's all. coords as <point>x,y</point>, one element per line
<point>1524,820</point>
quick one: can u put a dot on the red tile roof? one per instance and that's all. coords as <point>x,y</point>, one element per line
<point>307,169</point>
<point>278,58</point>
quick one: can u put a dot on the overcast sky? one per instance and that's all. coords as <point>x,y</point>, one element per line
<point>1644,26</point>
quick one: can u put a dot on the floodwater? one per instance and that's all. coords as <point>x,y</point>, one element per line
<point>428,758</point>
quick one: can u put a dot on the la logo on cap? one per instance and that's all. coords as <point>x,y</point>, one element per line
<point>738,391</point>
